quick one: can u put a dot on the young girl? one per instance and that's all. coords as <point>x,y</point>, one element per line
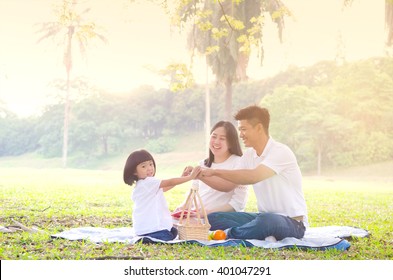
<point>151,216</point>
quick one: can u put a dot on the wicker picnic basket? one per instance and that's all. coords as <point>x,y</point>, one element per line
<point>196,227</point>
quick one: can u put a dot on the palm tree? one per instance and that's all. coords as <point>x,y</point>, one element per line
<point>70,26</point>
<point>225,32</point>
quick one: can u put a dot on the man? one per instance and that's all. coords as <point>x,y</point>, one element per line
<point>272,169</point>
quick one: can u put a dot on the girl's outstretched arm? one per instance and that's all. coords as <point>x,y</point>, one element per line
<point>168,184</point>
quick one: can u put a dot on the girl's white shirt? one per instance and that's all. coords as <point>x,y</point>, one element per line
<point>212,198</point>
<point>151,212</point>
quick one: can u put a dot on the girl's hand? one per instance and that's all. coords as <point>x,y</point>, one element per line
<point>187,171</point>
<point>195,172</point>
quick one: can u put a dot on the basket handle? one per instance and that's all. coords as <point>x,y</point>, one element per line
<point>203,210</point>
<point>194,196</point>
<point>186,206</point>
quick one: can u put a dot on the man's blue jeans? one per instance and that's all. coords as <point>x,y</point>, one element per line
<point>243,225</point>
<point>164,235</point>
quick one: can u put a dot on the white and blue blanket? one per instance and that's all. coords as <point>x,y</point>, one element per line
<point>315,238</point>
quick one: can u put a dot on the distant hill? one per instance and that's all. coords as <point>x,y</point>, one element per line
<point>174,162</point>
<point>190,149</point>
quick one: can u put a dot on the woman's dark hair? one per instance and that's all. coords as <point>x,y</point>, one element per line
<point>232,140</point>
<point>135,158</point>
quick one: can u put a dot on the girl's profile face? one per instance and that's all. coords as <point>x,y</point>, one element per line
<point>145,169</point>
<point>218,142</point>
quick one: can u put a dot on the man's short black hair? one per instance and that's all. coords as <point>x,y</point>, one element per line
<point>254,115</point>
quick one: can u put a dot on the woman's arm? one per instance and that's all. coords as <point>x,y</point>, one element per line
<point>239,198</point>
<point>223,208</point>
<point>217,183</point>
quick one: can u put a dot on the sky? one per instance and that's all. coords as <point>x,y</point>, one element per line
<point>140,39</point>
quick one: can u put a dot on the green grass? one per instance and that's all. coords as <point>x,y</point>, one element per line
<point>59,199</point>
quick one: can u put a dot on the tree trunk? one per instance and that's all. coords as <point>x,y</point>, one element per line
<point>207,109</point>
<point>228,99</point>
<point>68,66</point>
<point>319,160</point>
<point>105,142</point>
<point>66,121</point>
<point>389,21</point>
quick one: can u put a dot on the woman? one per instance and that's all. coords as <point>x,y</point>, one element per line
<point>224,153</point>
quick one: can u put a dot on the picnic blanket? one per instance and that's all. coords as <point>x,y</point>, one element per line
<point>316,238</point>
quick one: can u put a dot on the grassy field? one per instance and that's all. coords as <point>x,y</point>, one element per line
<point>55,199</point>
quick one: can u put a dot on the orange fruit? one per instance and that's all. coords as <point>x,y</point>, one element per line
<point>219,235</point>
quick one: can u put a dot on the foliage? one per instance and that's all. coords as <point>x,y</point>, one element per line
<point>71,23</point>
<point>100,199</point>
<point>226,32</point>
<point>16,135</point>
<point>161,145</point>
<point>330,115</point>
<point>342,121</point>
<point>50,130</point>
<point>180,77</point>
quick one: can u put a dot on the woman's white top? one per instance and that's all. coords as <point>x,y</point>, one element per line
<point>212,198</point>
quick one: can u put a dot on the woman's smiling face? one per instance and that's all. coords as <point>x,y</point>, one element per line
<point>218,142</point>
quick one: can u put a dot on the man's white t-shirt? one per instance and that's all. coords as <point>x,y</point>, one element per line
<point>151,212</point>
<point>212,198</point>
<point>281,193</point>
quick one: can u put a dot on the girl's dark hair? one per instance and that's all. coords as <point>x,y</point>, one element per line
<point>232,140</point>
<point>133,160</point>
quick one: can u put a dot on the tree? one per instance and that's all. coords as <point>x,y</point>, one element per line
<point>97,124</point>
<point>306,120</point>
<point>49,128</point>
<point>70,26</point>
<point>338,116</point>
<point>388,19</point>
<point>226,31</point>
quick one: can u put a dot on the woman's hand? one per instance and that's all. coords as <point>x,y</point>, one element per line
<point>206,172</point>
<point>179,208</point>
